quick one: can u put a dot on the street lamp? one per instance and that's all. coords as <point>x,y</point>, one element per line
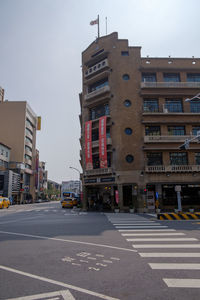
<point>193,98</point>
<point>79,177</point>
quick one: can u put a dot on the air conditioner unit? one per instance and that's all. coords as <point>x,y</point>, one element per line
<point>165,110</point>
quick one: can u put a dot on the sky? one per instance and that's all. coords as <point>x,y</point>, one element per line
<point>41,42</point>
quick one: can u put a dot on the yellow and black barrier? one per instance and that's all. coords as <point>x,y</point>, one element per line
<point>178,216</point>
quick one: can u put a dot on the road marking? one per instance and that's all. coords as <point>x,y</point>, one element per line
<point>178,266</point>
<point>162,240</point>
<point>115,258</point>
<point>100,255</point>
<point>18,220</point>
<point>59,283</point>
<point>170,254</point>
<point>152,234</point>
<point>136,224</point>
<point>146,230</point>
<point>75,264</point>
<point>67,241</point>
<point>167,246</point>
<point>182,283</point>
<point>65,294</point>
<point>92,258</point>
<point>142,227</point>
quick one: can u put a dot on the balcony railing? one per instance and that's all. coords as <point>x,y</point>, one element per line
<point>96,143</point>
<point>96,68</point>
<point>98,171</point>
<point>170,85</point>
<point>167,138</point>
<point>172,169</point>
<point>98,92</point>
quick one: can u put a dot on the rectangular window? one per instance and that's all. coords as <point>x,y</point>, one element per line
<point>99,111</point>
<point>152,130</point>
<point>171,77</point>
<point>195,106</point>
<point>151,105</point>
<point>174,105</point>
<point>193,77</point>
<point>195,129</point>
<point>154,158</point>
<point>149,77</point>
<point>197,158</point>
<point>97,85</point>
<point>176,130</point>
<point>95,135</point>
<point>178,158</point>
<point>125,53</point>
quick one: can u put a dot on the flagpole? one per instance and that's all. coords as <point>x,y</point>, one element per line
<point>98,26</point>
<point>106,25</point>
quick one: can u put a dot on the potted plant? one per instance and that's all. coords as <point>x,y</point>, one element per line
<point>116,209</point>
<point>131,208</point>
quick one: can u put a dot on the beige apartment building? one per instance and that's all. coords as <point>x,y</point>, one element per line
<point>134,118</point>
<point>18,125</point>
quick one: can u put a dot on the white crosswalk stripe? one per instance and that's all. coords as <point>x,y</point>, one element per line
<point>143,234</point>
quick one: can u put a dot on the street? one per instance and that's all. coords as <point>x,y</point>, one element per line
<point>52,253</point>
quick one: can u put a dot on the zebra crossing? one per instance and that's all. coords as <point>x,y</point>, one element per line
<point>155,242</point>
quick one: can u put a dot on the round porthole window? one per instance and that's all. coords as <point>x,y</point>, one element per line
<point>127,103</point>
<point>128,131</point>
<point>129,158</point>
<point>126,77</point>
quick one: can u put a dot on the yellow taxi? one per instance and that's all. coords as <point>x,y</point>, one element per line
<point>67,202</point>
<point>4,202</point>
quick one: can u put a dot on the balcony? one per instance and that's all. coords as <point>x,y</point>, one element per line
<point>181,85</point>
<point>95,144</point>
<point>28,152</point>
<point>172,169</point>
<point>96,68</point>
<point>98,172</point>
<point>167,138</point>
<point>98,92</point>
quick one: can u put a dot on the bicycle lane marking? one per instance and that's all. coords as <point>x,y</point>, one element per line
<point>69,286</point>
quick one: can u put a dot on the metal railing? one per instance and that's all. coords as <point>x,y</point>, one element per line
<point>172,169</point>
<point>170,85</point>
<point>166,138</point>
<point>98,171</point>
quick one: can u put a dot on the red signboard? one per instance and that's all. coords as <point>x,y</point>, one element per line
<point>88,145</point>
<point>102,143</point>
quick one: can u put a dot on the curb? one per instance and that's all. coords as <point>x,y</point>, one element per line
<point>178,216</point>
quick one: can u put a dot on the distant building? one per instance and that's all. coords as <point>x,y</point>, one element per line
<point>9,180</point>
<point>71,186</point>
<point>18,125</point>
<point>133,119</point>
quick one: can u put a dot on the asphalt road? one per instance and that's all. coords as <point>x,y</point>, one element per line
<point>47,252</point>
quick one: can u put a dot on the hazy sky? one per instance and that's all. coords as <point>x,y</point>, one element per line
<point>40,57</point>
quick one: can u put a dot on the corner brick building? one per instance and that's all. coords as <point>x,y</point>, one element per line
<point>133,119</point>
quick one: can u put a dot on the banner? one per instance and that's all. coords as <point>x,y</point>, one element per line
<point>88,145</point>
<point>102,143</point>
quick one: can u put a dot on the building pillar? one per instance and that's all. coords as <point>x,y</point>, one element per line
<point>85,198</point>
<point>141,199</point>
<point>120,191</point>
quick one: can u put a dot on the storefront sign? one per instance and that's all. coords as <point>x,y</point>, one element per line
<point>102,143</point>
<point>94,180</point>
<point>107,179</point>
<point>88,145</point>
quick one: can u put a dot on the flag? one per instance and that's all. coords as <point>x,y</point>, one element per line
<point>94,22</point>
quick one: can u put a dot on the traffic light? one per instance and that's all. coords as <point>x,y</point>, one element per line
<point>145,191</point>
<point>186,145</point>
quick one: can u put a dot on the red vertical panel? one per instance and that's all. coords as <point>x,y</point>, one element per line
<point>102,143</point>
<point>88,145</point>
